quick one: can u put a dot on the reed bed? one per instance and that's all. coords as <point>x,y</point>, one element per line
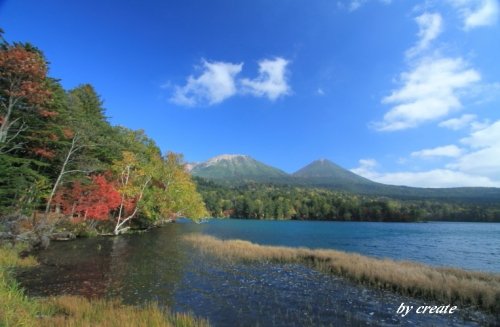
<point>78,311</point>
<point>446,285</point>
<point>17,309</point>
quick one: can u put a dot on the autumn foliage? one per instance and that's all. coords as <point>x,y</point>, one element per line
<point>89,201</point>
<point>25,72</point>
<point>58,151</point>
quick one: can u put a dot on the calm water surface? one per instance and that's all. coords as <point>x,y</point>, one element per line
<point>474,246</point>
<point>159,266</point>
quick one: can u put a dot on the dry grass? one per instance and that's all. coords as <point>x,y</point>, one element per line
<point>9,257</point>
<point>16,309</point>
<point>448,285</point>
<point>78,311</point>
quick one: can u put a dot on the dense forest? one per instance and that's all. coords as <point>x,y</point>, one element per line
<point>61,160</point>
<point>268,201</point>
<point>62,163</point>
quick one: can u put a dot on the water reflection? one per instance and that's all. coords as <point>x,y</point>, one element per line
<point>132,267</point>
<point>147,268</point>
<point>81,268</point>
<point>161,267</point>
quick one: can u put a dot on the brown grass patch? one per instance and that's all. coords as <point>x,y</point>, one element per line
<point>78,311</point>
<point>453,286</point>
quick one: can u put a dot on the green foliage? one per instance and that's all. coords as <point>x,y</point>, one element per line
<point>239,170</point>
<point>172,193</point>
<point>52,140</point>
<point>22,187</point>
<point>265,201</point>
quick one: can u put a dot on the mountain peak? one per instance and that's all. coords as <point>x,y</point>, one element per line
<point>228,157</point>
<point>236,166</point>
<point>322,161</point>
<point>326,170</point>
<point>320,168</point>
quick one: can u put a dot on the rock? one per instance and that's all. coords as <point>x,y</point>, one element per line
<point>16,224</point>
<point>44,242</point>
<point>6,236</point>
<point>35,240</point>
<point>62,236</point>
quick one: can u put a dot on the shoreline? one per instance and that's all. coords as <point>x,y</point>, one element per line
<point>311,260</point>
<point>363,221</point>
<point>452,285</point>
<point>18,309</point>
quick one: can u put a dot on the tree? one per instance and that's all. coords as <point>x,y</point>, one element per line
<point>21,187</point>
<point>94,200</point>
<point>73,149</point>
<point>172,193</point>
<point>87,119</point>
<point>133,178</point>
<point>24,99</point>
<point>23,89</point>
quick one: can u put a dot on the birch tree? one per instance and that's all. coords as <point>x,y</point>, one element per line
<point>173,193</point>
<point>75,146</point>
<point>133,178</point>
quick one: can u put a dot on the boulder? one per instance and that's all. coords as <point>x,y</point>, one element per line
<point>62,236</point>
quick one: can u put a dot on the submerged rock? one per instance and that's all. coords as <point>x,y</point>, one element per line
<point>62,236</point>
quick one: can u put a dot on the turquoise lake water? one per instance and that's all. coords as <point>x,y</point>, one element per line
<point>474,246</point>
<point>159,266</point>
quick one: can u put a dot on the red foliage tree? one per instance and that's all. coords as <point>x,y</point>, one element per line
<point>23,84</point>
<point>93,201</point>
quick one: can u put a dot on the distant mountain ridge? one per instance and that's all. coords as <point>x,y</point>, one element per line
<point>236,167</point>
<point>323,173</point>
<point>326,169</point>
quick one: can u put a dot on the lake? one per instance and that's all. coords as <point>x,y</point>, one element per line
<point>159,266</point>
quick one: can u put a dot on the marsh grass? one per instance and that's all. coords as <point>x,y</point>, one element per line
<point>447,285</point>
<point>78,311</point>
<point>17,309</point>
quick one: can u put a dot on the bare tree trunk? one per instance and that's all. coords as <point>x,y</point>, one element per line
<point>4,127</point>
<point>72,150</point>
<point>118,228</point>
<point>125,177</point>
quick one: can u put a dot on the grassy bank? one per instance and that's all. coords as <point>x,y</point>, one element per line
<point>16,309</point>
<point>446,285</point>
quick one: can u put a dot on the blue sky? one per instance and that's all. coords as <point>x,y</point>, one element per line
<point>402,92</point>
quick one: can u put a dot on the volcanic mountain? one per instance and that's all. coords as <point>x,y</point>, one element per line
<point>237,169</point>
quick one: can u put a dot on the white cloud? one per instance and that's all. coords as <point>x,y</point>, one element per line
<point>356,4</point>
<point>451,151</point>
<point>485,157</point>
<point>477,13</point>
<point>353,5</point>
<point>320,91</point>
<point>458,123</point>
<point>436,178</point>
<point>218,81</point>
<point>477,125</point>
<point>429,91</point>
<point>484,161</point>
<point>272,80</point>
<point>476,164</point>
<point>215,84</point>
<point>432,178</point>
<point>429,28</point>
<point>486,137</point>
<point>366,168</point>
